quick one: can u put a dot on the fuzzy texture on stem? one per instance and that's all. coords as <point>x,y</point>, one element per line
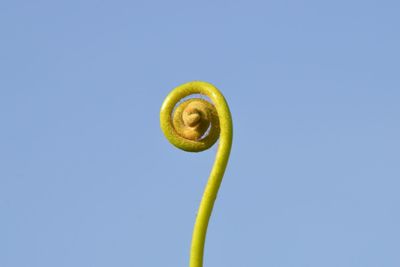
<point>195,125</point>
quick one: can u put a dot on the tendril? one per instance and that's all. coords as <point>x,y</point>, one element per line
<point>195,125</point>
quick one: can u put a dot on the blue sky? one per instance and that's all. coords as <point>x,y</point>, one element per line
<point>88,179</point>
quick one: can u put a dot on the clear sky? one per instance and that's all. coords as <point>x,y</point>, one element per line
<point>87,178</point>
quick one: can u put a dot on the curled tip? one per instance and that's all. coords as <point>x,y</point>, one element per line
<point>192,125</point>
<point>191,117</point>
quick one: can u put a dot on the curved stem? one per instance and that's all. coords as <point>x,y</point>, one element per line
<point>221,160</point>
<point>207,201</point>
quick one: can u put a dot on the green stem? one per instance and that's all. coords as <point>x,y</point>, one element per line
<point>221,160</point>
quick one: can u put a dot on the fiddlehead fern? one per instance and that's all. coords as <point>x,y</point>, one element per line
<point>195,125</point>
